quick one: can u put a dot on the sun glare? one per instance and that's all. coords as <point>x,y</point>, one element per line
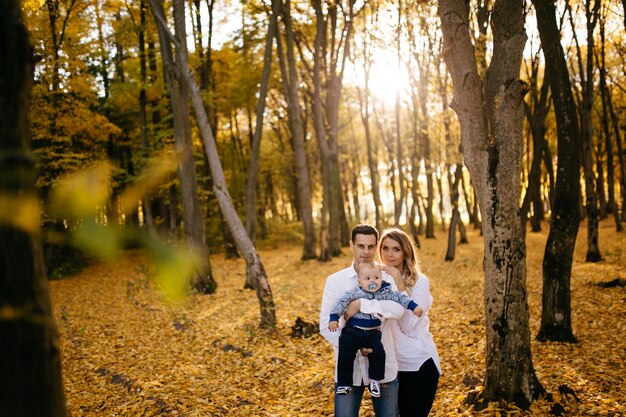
<point>386,77</point>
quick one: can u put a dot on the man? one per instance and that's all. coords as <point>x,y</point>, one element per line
<point>363,243</point>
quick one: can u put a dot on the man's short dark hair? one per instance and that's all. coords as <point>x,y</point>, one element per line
<point>364,229</point>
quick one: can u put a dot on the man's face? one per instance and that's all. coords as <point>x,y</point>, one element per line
<point>370,278</point>
<point>364,248</point>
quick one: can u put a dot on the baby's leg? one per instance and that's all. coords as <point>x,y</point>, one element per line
<point>349,343</point>
<point>377,357</point>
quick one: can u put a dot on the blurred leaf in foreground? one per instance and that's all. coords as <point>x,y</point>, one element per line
<point>80,194</point>
<point>98,240</point>
<point>175,267</point>
<point>155,173</point>
<point>22,212</point>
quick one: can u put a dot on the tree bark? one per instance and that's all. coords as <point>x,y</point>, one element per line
<point>365,105</point>
<point>145,148</point>
<point>244,244</point>
<point>591,194</point>
<point>491,116</point>
<point>456,216</point>
<point>296,127</point>
<point>193,217</point>
<point>556,324</point>
<point>536,113</point>
<point>255,151</point>
<point>399,151</point>
<point>30,359</point>
<point>330,51</point>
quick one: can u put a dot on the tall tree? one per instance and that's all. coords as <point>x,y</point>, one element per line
<point>536,110</point>
<point>587,83</point>
<point>365,105</point>
<point>399,148</point>
<point>291,82</point>
<point>334,24</point>
<point>255,268</point>
<point>255,151</point>
<point>30,360</point>
<point>556,313</point>
<point>490,113</point>
<point>193,217</point>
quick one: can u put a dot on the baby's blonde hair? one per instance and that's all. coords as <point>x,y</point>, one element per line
<point>368,263</point>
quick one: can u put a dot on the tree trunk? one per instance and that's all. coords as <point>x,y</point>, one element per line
<point>491,130</point>
<point>291,82</point>
<point>456,216</point>
<point>30,359</point>
<point>399,151</point>
<point>536,113</point>
<point>255,151</point>
<point>430,198</point>
<point>327,85</point>
<point>610,166</point>
<point>193,217</point>
<point>245,246</point>
<point>620,153</point>
<point>591,195</point>
<point>146,205</point>
<point>556,324</point>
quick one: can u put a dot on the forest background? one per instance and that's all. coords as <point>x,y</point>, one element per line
<point>321,115</point>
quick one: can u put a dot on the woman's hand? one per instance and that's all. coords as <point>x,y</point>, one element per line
<point>397,276</point>
<point>353,308</point>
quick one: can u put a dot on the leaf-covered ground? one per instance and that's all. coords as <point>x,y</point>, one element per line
<point>128,353</point>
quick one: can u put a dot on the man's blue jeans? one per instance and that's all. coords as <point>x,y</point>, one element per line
<point>384,406</point>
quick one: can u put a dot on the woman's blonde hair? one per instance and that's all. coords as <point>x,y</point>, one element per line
<point>410,265</point>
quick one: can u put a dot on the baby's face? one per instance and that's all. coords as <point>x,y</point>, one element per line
<point>370,277</point>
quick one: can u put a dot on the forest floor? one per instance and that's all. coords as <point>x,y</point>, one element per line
<point>126,352</point>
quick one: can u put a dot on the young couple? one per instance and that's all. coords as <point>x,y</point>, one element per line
<point>376,319</point>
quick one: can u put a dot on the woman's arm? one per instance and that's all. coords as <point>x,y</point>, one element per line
<point>421,295</point>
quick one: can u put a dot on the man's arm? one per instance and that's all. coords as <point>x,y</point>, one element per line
<point>342,304</point>
<point>329,299</point>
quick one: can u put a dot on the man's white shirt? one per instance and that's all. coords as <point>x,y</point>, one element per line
<point>336,285</point>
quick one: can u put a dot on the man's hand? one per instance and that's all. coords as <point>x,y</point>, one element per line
<point>333,326</point>
<point>418,311</point>
<point>353,308</point>
<point>365,351</point>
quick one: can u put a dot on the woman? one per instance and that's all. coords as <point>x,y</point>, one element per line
<point>418,361</point>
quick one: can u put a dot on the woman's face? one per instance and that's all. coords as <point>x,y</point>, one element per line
<point>391,253</point>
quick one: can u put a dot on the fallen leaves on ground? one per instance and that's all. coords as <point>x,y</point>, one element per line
<point>126,352</point>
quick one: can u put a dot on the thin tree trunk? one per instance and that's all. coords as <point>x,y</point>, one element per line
<point>327,77</point>
<point>606,116</point>
<point>303,181</point>
<point>537,119</point>
<point>591,195</point>
<point>399,151</point>
<point>556,324</point>
<point>245,246</point>
<point>255,151</point>
<point>456,216</point>
<point>146,204</point>
<point>620,153</point>
<point>30,359</point>
<point>193,218</point>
